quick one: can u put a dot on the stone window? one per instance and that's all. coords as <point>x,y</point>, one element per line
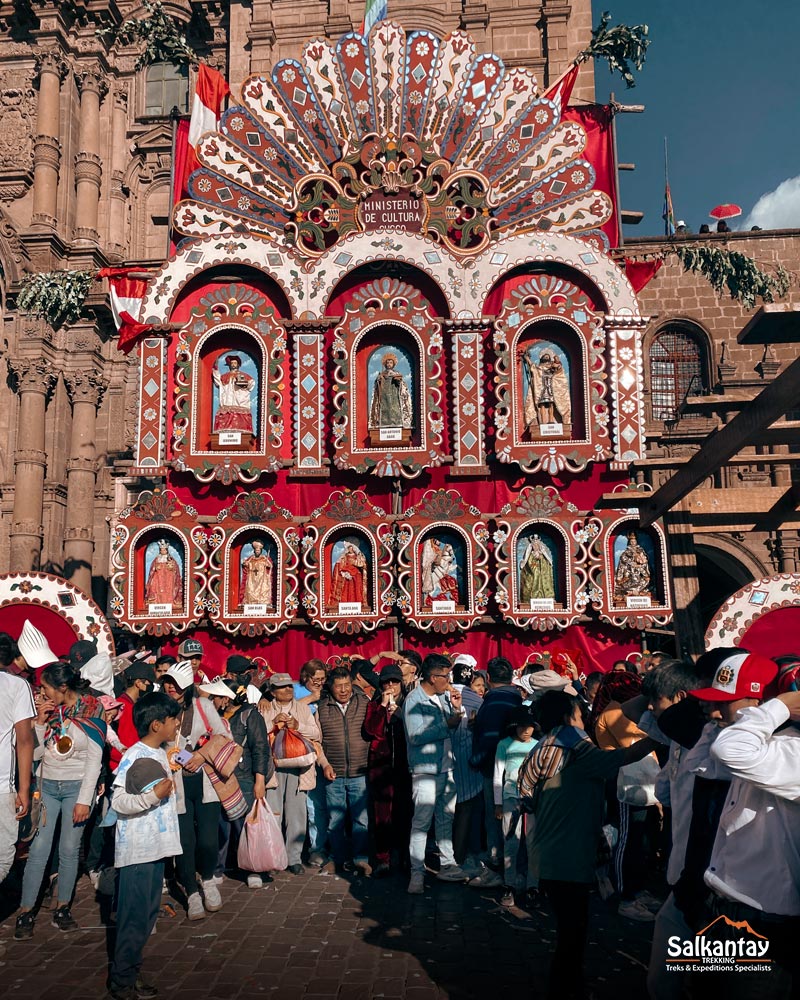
<point>678,369</point>
<point>166,87</point>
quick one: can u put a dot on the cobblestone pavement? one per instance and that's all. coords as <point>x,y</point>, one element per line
<point>319,936</point>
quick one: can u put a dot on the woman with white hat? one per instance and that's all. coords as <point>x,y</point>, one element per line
<point>198,804</point>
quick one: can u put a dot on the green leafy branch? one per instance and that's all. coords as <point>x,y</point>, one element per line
<point>164,41</point>
<point>734,271</point>
<point>58,296</point>
<point>619,46</point>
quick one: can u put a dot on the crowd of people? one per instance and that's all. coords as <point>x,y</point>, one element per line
<point>538,783</point>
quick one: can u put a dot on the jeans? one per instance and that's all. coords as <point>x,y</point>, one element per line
<point>512,877</point>
<point>58,798</point>
<point>138,902</point>
<point>494,830</point>
<point>199,837</point>
<point>434,796</point>
<point>340,794</point>
<point>570,902</point>
<point>467,828</point>
<point>289,805</point>
<point>317,816</point>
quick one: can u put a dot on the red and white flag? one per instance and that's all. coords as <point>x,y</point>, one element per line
<point>127,295</point>
<point>212,89</point>
<point>561,91</point>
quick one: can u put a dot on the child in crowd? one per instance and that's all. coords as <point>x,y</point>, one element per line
<point>147,833</point>
<point>511,752</point>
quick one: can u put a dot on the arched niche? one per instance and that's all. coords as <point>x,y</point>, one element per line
<point>542,573</point>
<point>552,373</point>
<point>636,562</point>
<point>505,285</point>
<point>207,279</point>
<point>348,561</point>
<point>389,371</point>
<point>160,572</point>
<point>253,561</point>
<point>431,295</point>
<point>229,388</point>
<point>443,570</point>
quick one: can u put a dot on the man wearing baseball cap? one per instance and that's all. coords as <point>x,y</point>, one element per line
<point>240,669</point>
<point>754,870</point>
<point>192,650</point>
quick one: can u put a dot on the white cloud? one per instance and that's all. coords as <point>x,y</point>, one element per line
<point>778,209</point>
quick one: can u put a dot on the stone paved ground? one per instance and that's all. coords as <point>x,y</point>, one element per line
<point>318,936</point>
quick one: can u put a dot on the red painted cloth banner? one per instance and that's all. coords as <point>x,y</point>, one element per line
<point>126,295</point>
<point>597,120</point>
<point>641,272</point>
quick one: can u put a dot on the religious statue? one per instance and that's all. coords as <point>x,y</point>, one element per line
<point>439,572</point>
<point>536,572</point>
<point>257,576</point>
<point>235,397</point>
<point>632,575</point>
<point>547,399</point>
<point>349,577</point>
<point>391,399</point>
<point>164,581</point>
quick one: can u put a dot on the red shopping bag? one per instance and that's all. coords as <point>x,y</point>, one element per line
<point>261,846</point>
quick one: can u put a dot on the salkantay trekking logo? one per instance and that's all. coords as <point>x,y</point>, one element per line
<point>724,945</point>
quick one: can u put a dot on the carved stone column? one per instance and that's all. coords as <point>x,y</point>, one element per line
<point>119,159</point>
<point>88,164</point>
<point>35,379</point>
<point>46,145</point>
<point>86,390</point>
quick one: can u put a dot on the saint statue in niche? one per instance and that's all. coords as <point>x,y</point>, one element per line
<point>547,397</point>
<point>391,399</point>
<point>633,572</point>
<point>349,576</point>
<point>235,388</point>
<point>164,579</point>
<point>536,580</point>
<point>256,587</point>
<point>439,572</point>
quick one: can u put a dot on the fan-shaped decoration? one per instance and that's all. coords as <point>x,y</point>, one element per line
<point>253,566</point>
<point>347,553</point>
<point>442,580</point>
<point>397,130</point>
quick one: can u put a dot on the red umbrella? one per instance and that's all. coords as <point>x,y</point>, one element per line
<point>725,212</point>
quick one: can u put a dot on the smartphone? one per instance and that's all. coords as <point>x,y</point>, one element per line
<point>183,757</point>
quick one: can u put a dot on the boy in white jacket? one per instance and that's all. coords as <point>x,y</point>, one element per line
<point>147,833</point>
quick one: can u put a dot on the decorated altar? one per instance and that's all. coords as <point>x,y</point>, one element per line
<point>392,371</point>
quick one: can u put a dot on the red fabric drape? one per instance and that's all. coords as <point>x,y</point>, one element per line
<point>641,272</point>
<point>597,121</point>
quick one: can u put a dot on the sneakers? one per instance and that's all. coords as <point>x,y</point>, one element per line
<point>214,880</point>
<point>416,885</point>
<point>195,910</point>
<point>63,920</point>
<point>451,873</point>
<point>144,991</point>
<point>255,882</point>
<point>487,880</point>
<point>635,910</point>
<point>362,867</point>
<point>211,897</point>
<point>296,870</point>
<point>316,859</point>
<point>139,991</point>
<point>24,926</point>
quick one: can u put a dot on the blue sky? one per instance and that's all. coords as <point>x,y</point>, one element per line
<point>720,81</point>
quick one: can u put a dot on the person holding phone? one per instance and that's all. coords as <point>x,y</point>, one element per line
<point>388,779</point>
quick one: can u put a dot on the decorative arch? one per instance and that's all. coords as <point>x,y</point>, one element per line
<point>427,284</point>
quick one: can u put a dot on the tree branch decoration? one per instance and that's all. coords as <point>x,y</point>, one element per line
<point>161,33</point>
<point>735,271</point>
<point>619,46</point>
<point>58,296</point>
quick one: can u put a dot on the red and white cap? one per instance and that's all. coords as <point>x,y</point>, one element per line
<point>740,675</point>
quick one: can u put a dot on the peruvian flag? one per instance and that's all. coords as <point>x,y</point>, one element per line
<point>561,91</point>
<point>212,89</point>
<point>127,296</point>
